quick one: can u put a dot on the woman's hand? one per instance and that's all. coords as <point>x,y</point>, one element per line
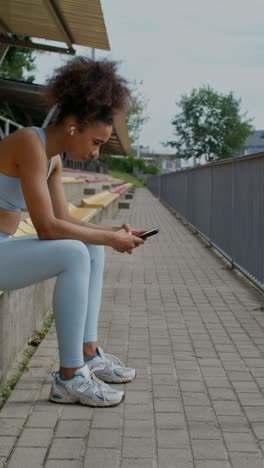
<point>129,229</point>
<point>123,241</point>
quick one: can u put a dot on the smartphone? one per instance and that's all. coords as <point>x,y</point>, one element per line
<point>149,233</point>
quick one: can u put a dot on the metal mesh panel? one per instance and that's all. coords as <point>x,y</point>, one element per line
<point>199,200</point>
<point>221,215</point>
<point>249,217</point>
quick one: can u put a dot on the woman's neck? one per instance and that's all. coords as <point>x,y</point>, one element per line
<point>55,140</point>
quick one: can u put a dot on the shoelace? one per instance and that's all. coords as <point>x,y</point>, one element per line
<point>113,359</point>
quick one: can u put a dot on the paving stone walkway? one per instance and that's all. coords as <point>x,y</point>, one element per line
<point>195,332</point>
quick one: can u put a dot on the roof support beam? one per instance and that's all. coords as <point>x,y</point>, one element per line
<point>49,116</point>
<point>8,41</point>
<point>4,27</point>
<point>60,21</point>
<point>3,51</point>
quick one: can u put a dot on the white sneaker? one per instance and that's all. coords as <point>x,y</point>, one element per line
<point>84,388</point>
<point>109,368</point>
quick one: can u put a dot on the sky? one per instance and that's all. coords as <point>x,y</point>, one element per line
<point>173,46</point>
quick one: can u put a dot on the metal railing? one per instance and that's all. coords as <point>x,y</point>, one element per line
<point>5,125</point>
<point>224,202</point>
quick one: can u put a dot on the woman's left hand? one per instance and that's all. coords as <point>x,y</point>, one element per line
<point>134,232</point>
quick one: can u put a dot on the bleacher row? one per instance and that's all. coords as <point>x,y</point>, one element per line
<point>22,311</point>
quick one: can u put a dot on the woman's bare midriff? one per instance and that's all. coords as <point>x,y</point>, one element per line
<point>9,221</point>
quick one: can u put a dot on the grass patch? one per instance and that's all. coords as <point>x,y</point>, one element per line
<point>39,335</point>
<point>9,384</point>
<point>127,178</point>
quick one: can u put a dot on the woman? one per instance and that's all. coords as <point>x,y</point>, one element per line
<point>87,94</point>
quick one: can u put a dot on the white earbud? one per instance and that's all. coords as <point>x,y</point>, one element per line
<point>72,129</point>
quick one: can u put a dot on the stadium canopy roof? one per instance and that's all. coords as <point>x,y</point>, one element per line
<point>79,22</point>
<point>73,22</point>
<point>25,101</point>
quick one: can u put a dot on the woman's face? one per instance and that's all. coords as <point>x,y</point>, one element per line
<point>85,145</point>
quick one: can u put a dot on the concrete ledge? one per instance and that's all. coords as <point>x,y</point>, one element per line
<point>107,201</point>
<point>74,192</point>
<point>21,313</point>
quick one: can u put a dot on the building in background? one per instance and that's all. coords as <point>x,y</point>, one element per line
<point>254,143</point>
<point>166,162</point>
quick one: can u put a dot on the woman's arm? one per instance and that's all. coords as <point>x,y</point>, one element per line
<point>45,216</point>
<point>59,202</point>
<point>60,205</point>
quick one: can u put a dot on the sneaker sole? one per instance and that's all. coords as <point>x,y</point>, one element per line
<point>83,401</point>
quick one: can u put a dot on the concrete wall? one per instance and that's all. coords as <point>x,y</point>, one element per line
<point>21,313</point>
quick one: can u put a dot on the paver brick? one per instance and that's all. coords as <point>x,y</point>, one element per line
<point>170,405</point>
<point>172,438</point>
<point>233,423</point>
<point>140,447</point>
<point>136,463</point>
<point>15,410</point>
<point>240,442</point>
<point>6,445</point>
<point>105,457</point>
<point>27,457</point>
<point>196,413</point>
<point>134,397</point>
<point>206,449</point>
<point>170,420</point>
<point>204,430</point>
<point>175,458</point>
<point>42,419</point>
<point>227,408</point>
<point>62,464</point>
<point>73,429</point>
<point>77,412</point>
<point>212,464</point>
<point>107,421</point>
<point>138,412</point>
<point>246,460</point>
<point>10,427</point>
<point>106,438</point>
<point>137,428</point>
<point>35,438</point>
<point>68,449</point>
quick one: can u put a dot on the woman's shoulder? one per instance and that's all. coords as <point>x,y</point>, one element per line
<point>23,139</point>
<point>27,134</point>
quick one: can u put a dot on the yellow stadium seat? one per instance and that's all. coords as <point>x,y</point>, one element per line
<point>86,214</point>
<point>100,200</point>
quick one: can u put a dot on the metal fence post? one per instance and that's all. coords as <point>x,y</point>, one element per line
<point>211,205</point>
<point>233,215</point>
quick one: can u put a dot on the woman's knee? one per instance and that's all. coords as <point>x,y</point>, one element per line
<point>75,252</point>
<point>97,253</point>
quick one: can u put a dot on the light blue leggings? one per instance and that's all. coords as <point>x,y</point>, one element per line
<point>77,293</point>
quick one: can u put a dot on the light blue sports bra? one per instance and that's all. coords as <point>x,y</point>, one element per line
<point>11,195</point>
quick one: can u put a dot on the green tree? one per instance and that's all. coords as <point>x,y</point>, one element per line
<point>136,116</point>
<point>209,124</point>
<point>18,63</point>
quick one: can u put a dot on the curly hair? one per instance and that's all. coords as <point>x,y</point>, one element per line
<point>90,90</point>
